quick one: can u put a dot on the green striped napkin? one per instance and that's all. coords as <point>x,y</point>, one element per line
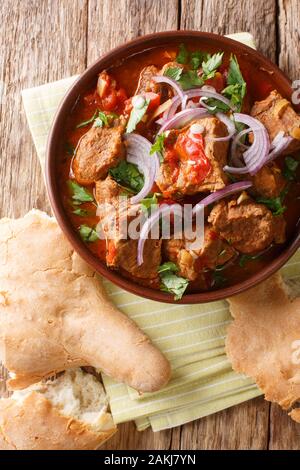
<point>191,336</point>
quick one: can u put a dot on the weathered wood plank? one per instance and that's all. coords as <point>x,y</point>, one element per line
<point>111,23</point>
<point>117,21</point>
<point>241,427</point>
<point>284,432</point>
<point>289,44</point>
<point>39,42</point>
<point>129,438</point>
<point>233,16</point>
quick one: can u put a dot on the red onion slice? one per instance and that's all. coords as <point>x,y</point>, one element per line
<point>182,118</point>
<point>279,144</point>
<point>230,127</point>
<point>174,85</point>
<point>217,195</point>
<point>256,155</point>
<point>163,210</point>
<point>205,92</point>
<point>138,152</point>
<point>209,108</point>
<point>276,139</point>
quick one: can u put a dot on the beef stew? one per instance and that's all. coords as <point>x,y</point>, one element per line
<point>196,155</point>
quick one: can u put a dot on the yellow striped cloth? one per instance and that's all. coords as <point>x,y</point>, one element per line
<point>191,336</point>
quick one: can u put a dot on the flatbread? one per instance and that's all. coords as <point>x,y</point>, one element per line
<point>55,314</point>
<point>263,341</point>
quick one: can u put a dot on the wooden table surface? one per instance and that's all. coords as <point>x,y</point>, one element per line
<point>46,40</point>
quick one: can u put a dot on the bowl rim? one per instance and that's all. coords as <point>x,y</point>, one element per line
<point>63,220</point>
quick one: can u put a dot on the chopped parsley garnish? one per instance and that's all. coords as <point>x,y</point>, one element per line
<point>236,85</point>
<point>174,73</point>
<point>218,280</point>
<point>231,178</point>
<point>244,258</point>
<point>197,58</point>
<point>194,59</point>
<point>69,149</point>
<point>275,204</point>
<point>99,119</point>
<point>88,234</point>
<point>168,266</point>
<point>136,116</point>
<point>150,202</point>
<point>211,64</point>
<point>191,78</point>
<point>159,146</point>
<point>170,282</point>
<point>217,105</point>
<point>88,121</point>
<point>183,55</point>
<point>128,175</point>
<point>290,168</point>
<point>82,212</point>
<point>79,193</point>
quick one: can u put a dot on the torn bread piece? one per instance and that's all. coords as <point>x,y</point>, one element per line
<point>67,413</point>
<point>262,341</point>
<point>55,314</point>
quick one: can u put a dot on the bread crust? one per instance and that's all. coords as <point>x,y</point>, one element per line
<point>55,314</point>
<point>260,340</point>
<point>35,424</point>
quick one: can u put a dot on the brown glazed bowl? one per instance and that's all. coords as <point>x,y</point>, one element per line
<point>208,40</point>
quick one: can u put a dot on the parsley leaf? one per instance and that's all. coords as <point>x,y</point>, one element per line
<point>211,64</point>
<point>88,234</point>
<point>218,106</point>
<point>168,266</point>
<point>218,280</point>
<point>69,149</point>
<point>244,258</point>
<point>101,120</point>
<point>170,282</point>
<point>189,79</point>
<point>79,193</point>
<point>81,212</point>
<point>88,121</point>
<point>274,204</point>
<point>197,58</point>
<point>128,175</point>
<point>150,202</point>
<point>136,116</point>
<point>174,73</point>
<point>236,85</point>
<point>159,146</point>
<point>290,168</point>
<point>183,55</point>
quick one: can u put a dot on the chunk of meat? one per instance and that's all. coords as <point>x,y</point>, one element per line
<point>249,227</point>
<point>268,181</point>
<point>104,82</point>
<point>214,252</point>
<point>115,216</point>
<point>146,83</point>
<point>277,114</point>
<point>180,174</point>
<point>100,149</point>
